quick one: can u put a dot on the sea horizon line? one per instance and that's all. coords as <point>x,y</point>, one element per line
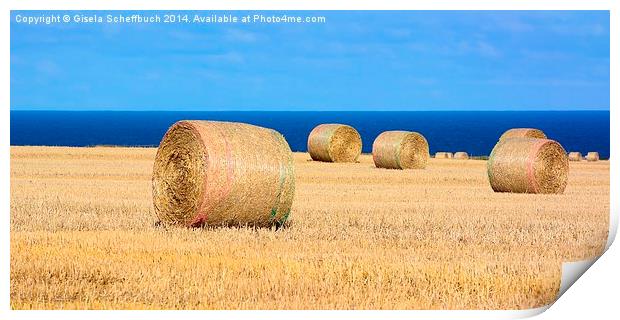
<point>337,110</point>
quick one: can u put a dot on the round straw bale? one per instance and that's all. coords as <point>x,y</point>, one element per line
<point>449,155</point>
<point>592,156</point>
<point>222,173</point>
<point>523,133</point>
<point>461,155</point>
<point>528,165</point>
<point>574,156</point>
<point>400,150</point>
<point>334,143</point>
<point>441,155</point>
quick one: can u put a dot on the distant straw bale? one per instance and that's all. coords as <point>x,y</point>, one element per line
<point>334,143</point>
<point>461,155</point>
<point>528,165</point>
<point>592,156</point>
<point>222,173</point>
<point>443,155</point>
<point>574,156</point>
<point>523,133</point>
<point>400,150</point>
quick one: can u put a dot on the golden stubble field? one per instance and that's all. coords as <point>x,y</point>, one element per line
<point>83,236</point>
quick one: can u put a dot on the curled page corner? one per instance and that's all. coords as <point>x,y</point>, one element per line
<point>613,229</point>
<point>527,313</point>
<point>571,271</point>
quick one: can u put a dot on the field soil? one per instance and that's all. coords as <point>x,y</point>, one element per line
<point>84,236</point>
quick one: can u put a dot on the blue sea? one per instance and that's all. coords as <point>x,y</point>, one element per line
<point>472,131</point>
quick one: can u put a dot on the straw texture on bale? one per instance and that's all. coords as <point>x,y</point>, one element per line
<point>334,143</point>
<point>574,156</point>
<point>400,150</point>
<point>222,173</point>
<point>443,155</point>
<point>592,156</point>
<point>461,155</point>
<point>523,133</point>
<point>528,165</point>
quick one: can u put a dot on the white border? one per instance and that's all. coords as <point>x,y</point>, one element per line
<point>569,309</point>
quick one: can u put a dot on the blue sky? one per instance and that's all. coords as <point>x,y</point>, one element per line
<point>416,60</point>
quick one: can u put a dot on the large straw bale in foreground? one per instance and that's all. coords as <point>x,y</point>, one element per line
<point>461,155</point>
<point>400,150</point>
<point>528,165</point>
<point>222,173</point>
<point>574,156</point>
<point>523,133</point>
<point>334,143</point>
<point>592,156</point>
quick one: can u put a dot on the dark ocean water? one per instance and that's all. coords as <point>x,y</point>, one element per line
<point>473,131</point>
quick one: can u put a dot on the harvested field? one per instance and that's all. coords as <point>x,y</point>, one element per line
<point>83,237</point>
